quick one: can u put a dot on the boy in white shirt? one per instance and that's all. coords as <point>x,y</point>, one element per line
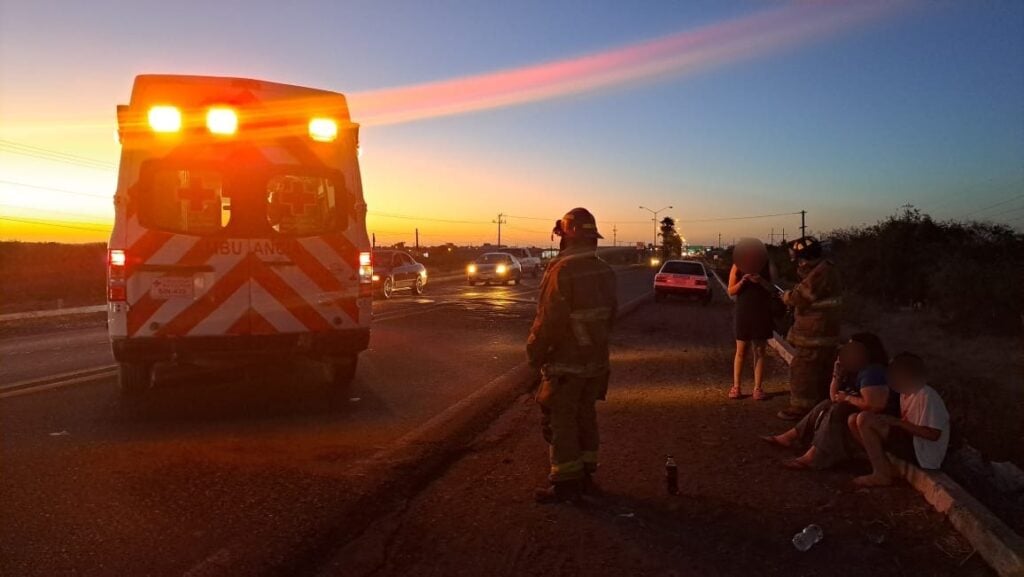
<point>921,434</point>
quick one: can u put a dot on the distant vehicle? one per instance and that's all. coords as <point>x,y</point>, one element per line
<point>395,270</point>
<point>498,267</point>
<point>682,277</point>
<point>530,262</point>
<point>239,228</point>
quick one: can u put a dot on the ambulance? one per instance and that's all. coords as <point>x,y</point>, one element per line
<point>239,230</point>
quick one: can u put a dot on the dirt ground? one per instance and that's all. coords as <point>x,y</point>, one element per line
<point>737,511</point>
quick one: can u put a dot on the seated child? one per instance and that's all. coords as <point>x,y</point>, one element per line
<point>921,434</point>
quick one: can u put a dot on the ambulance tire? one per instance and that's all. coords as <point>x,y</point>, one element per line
<point>340,373</point>
<point>135,378</point>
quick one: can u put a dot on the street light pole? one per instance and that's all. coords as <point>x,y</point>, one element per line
<point>654,217</point>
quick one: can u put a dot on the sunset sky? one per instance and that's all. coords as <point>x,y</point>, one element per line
<point>723,110</point>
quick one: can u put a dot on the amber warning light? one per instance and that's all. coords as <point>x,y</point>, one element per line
<point>220,120</point>
<point>165,119</point>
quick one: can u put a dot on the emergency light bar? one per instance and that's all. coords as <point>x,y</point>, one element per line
<point>222,120</point>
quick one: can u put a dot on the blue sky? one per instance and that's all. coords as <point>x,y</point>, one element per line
<point>924,105</point>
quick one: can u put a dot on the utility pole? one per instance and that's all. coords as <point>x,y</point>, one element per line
<point>783,235</point>
<point>803,223</point>
<point>772,237</point>
<point>500,221</point>
<point>374,240</point>
<point>719,240</point>
<point>615,235</point>
<point>417,238</point>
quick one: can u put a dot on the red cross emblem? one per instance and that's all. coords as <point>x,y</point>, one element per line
<point>297,199</point>
<point>196,195</point>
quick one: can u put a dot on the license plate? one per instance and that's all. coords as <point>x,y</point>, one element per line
<point>168,287</point>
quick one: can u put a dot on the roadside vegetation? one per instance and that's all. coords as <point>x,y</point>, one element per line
<point>48,275</point>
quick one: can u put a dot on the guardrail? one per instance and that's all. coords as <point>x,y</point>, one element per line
<point>53,313</point>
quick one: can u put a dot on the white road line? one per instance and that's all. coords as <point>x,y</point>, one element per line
<point>57,381</point>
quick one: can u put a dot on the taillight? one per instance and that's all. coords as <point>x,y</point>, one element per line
<point>365,274</point>
<point>116,288</point>
<point>661,278</point>
<point>702,282</point>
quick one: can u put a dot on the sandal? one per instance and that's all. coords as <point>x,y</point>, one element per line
<point>760,395</point>
<point>735,393</point>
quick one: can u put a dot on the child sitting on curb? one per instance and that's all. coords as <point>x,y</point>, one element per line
<point>921,434</point>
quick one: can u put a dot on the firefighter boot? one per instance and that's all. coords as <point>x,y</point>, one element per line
<point>559,492</point>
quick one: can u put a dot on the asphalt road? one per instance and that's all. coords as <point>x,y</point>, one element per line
<point>93,486</point>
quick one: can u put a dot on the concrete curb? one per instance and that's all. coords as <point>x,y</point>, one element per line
<point>296,546</point>
<point>997,544</point>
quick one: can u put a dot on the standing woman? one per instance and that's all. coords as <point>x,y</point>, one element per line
<point>750,285</point>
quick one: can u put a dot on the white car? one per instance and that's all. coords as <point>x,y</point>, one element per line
<point>682,277</point>
<point>496,267</point>
<point>530,262</point>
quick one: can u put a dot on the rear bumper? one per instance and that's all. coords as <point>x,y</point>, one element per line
<point>688,291</point>
<point>241,347</point>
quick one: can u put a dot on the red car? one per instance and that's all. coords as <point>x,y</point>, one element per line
<point>682,277</point>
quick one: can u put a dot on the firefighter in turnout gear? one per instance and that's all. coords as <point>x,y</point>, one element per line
<point>568,343</point>
<point>815,301</point>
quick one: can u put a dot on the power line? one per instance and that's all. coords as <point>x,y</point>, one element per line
<point>52,189</point>
<point>425,219</point>
<point>991,206</point>
<point>48,211</point>
<point>45,223</point>
<point>29,150</point>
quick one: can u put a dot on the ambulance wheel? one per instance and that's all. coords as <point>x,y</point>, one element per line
<point>134,378</point>
<point>340,373</point>
<point>417,288</point>
<point>387,288</point>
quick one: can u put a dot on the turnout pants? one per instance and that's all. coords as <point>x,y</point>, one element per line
<point>569,423</point>
<point>809,376</point>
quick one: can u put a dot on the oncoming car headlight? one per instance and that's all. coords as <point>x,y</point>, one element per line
<point>471,269</point>
<point>501,269</point>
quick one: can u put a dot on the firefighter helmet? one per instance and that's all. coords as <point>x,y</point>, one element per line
<point>577,223</point>
<point>806,248</point>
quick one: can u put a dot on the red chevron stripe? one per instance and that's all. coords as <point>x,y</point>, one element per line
<point>225,286</point>
<point>142,311</point>
<point>259,325</point>
<point>313,268</point>
<point>348,251</point>
<point>144,248</point>
<point>288,298</point>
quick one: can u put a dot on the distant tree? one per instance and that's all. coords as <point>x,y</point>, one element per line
<point>671,242</point>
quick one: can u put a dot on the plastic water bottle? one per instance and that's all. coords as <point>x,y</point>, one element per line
<point>804,540</point>
<point>671,476</point>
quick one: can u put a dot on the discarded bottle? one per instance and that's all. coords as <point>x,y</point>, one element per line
<point>804,540</point>
<point>671,476</point>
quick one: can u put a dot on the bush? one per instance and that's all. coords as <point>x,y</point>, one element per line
<point>971,273</point>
